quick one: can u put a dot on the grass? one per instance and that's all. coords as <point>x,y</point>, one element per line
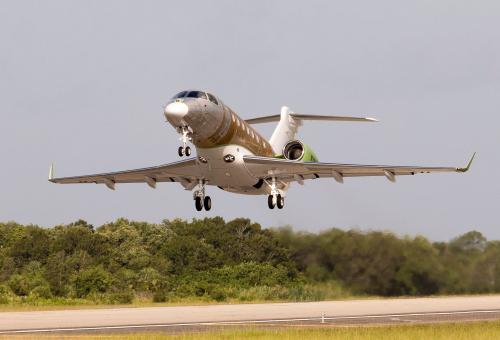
<point>259,294</point>
<point>439,331</point>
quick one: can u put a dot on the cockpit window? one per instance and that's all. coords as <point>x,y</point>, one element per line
<point>212,98</point>
<point>180,95</point>
<point>197,94</point>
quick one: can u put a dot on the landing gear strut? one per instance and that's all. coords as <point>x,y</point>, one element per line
<point>275,199</point>
<point>200,200</point>
<point>185,138</point>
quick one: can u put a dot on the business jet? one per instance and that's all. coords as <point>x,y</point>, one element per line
<point>233,156</point>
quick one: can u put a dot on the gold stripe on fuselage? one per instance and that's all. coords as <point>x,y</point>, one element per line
<point>234,130</point>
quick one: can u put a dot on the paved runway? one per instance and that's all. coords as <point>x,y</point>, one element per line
<point>196,317</point>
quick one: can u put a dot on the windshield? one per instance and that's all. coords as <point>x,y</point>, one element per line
<point>180,95</point>
<point>212,98</point>
<point>197,94</point>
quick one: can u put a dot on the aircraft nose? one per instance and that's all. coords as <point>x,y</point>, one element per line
<point>174,112</point>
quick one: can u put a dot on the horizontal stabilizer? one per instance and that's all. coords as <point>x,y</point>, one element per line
<point>299,116</point>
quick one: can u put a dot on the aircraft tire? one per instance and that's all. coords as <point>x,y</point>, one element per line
<point>270,201</point>
<point>187,151</point>
<point>180,151</point>
<point>280,201</point>
<point>198,204</point>
<point>207,203</point>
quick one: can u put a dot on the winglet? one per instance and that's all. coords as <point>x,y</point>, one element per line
<point>51,172</point>
<point>468,165</point>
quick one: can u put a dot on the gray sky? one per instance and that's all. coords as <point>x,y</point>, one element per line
<point>83,83</point>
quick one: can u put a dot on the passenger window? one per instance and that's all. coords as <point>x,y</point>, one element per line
<point>212,98</point>
<point>197,94</point>
<point>180,95</point>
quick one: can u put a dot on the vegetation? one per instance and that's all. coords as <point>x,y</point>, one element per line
<point>214,260</point>
<point>440,331</point>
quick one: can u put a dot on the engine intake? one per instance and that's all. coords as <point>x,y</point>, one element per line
<point>294,150</point>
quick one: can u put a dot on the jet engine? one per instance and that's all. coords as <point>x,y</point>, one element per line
<point>295,150</point>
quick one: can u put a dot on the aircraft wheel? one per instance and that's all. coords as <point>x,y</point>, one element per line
<point>280,201</point>
<point>207,203</point>
<point>180,151</point>
<point>198,204</point>
<point>270,201</point>
<point>187,151</point>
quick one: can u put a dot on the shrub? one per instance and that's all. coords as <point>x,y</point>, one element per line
<point>19,284</point>
<point>92,280</point>
<point>5,295</point>
<point>121,297</point>
<point>41,292</point>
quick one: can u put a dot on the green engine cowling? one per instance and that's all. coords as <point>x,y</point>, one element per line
<point>295,150</point>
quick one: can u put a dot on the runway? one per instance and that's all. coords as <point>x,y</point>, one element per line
<point>348,312</point>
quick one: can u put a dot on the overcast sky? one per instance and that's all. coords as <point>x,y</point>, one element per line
<point>82,84</point>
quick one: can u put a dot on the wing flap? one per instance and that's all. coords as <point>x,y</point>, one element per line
<point>264,167</point>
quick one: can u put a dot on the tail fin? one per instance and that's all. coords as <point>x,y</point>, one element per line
<point>285,131</point>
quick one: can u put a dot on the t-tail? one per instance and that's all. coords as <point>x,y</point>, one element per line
<point>283,138</point>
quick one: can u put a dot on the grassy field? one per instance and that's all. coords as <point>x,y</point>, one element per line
<point>456,331</point>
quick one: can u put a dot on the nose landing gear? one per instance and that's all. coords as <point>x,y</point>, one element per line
<point>185,138</point>
<point>200,200</point>
<point>184,150</point>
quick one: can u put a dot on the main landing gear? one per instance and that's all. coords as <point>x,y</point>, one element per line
<point>200,200</point>
<point>184,150</point>
<point>275,199</point>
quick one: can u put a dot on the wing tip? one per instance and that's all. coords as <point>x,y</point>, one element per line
<point>51,173</point>
<point>467,168</point>
<point>371,119</point>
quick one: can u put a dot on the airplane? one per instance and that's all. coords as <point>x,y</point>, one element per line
<point>235,157</point>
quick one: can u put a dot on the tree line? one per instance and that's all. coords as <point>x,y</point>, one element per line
<point>211,259</point>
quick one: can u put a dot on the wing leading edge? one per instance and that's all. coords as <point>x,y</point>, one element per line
<point>289,171</point>
<point>184,172</point>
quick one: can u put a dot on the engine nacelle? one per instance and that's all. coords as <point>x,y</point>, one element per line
<point>295,150</point>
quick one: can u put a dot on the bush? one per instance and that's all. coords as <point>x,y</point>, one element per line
<point>122,297</point>
<point>19,285</point>
<point>5,295</point>
<point>96,280</point>
<point>41,292</point>
<point>159,296</point>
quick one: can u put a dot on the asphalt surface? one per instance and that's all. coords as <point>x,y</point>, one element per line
<point>350,312</point>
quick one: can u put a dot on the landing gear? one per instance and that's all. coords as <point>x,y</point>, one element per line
<point>184,151</point>
<point>200,200</point>
<point>185,138</point>
<point>275,199</point>
<point>207,203</point>
<point>270,202</point>
<point>280,201</point>
<point>197,203</point>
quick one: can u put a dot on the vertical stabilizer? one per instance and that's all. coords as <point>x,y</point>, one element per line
<point>285,131</point>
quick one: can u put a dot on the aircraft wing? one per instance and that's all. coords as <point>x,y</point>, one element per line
<point>289,171</point>
<point>184,172</point>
